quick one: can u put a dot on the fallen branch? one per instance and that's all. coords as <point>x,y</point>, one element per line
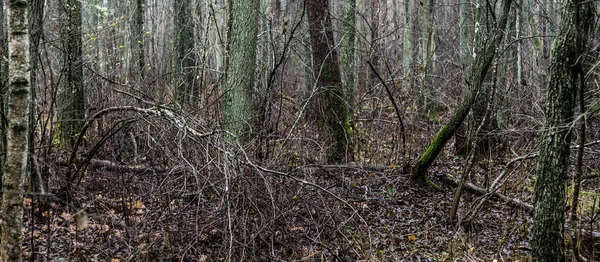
<point>510,201</point>
<point>482,192</point>
<point>112,166</point>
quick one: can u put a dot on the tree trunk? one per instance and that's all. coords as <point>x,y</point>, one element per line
<point>483,61</point>
<point>71,101</point>
<point>407,49</point>
<point>243,37</point>
<point>183,51</point>
<point>331,101</point>
<point>18,117</point>
<point>428,52</point>
<point>553,163</point>
<point>348,43</point>
<point>138,45</point>
<point>3,84</point>
<point>36,16</point>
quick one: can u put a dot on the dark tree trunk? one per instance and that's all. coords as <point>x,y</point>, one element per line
<point>183,51</point>
<point>71,101</point>
<point>138,45</point>
<point>326,67</point>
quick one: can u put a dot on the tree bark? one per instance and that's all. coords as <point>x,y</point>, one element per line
<point>326,67</point>
<point>553,162</point>
<point>71,100</point>
<point>183,51</point>
<point>138,45</point>
<point>18,127</point>
<point>36,16</point>
<point>243,37</point>
<point>348,43</point>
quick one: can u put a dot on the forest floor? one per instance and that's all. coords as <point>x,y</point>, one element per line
<point>148,216</point>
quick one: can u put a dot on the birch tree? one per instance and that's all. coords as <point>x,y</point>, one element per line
<point>18,127</point>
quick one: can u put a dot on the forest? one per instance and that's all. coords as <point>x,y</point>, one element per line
<point>300,130</point>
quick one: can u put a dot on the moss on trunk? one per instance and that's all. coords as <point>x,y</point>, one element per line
<point>482,65</point>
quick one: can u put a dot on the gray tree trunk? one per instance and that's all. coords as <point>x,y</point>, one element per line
<point>3,83</point>
<point>183,51</point>
<point>243,37</point>
<point>71,100</point>
<point>348,45</point>
<point>138,45</point>
<point>428,52</point>
<point>407,49</point>
<point>553,162</point>
<point>18,117</point>
<point>36,15</point>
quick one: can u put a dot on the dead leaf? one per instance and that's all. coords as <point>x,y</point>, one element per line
<point>412,237</point>
<point>297,229</point>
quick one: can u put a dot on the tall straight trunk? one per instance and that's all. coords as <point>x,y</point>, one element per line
<point>553,162</point>
<point>407,49</point>
<point>3,83</point>
<point>327,70</point>
<point>428,52</point>
<point>348,43</point>
<point>243,37</point>
<point>36,15</point>
<point>138,45</point>
<point>466,34</point>
<point>304,62</point>
<point>374,44</point>
<point>183,51</point>
<point>18,117</point>
<point>71,100</point>
<point>220,12</point>
<point>484,58</point>
<point>518,33</point>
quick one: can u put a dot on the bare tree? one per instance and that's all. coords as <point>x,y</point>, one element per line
<point>241,65</point>
<point>183,53</point>
<point>71,100</point>
<point>18,117</point>
<point>327,71</point>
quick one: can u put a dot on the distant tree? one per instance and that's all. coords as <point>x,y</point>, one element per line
<point>326,67</point>
<point>348,46</point>
<point>428,44</point>
<point>71,100</point>
<point>18,127</point>
<point>565,67</point>
<point>407,50</point>
<point>183,51</point>
<point>137,41</point>
<point>36,16</point>
<point>243,37</point>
